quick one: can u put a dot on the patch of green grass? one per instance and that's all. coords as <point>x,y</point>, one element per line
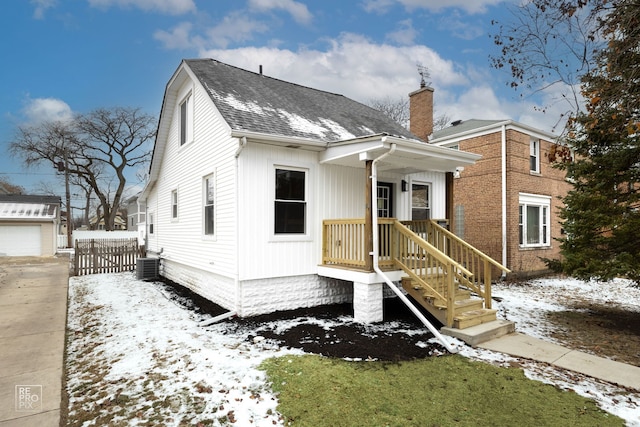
<point>438,391</point>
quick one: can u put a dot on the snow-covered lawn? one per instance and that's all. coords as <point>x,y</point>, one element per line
<point>139,358</point>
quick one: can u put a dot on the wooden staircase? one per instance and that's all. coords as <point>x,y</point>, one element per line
<point>468,310</point>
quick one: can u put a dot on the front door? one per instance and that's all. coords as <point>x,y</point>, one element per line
<point>385,200</point>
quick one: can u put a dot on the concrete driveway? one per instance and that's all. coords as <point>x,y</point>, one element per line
<point>33,314</point>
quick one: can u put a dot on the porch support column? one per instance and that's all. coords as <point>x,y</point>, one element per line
<point>367,302</point>
<point>449,200</point>
<point>368,220</point>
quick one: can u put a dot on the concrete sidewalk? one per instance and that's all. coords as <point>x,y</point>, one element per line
<point>520,345</point>
<point>33,314</point>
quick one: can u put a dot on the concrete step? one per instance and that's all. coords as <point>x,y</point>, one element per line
<point>482,332</point>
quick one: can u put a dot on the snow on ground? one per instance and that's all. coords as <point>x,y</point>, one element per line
<point>151,353</point>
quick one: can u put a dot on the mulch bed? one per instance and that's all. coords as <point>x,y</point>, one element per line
<point>350,340</point>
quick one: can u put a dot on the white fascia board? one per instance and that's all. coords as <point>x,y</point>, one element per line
<point>493,128</point>
<point>280,140</point>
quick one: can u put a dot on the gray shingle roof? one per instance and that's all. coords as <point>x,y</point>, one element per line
<point>254,102</point>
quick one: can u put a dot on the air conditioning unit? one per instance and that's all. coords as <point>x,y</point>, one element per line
<point>147,268</point>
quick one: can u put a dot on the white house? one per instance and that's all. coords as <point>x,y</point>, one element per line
<point>250,173</point>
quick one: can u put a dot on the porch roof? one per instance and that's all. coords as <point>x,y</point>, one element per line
<point>409,156</point>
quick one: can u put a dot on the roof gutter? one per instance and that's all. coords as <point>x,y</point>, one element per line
<point>280,140</point>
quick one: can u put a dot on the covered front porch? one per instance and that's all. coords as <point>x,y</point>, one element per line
<point>442,273</point>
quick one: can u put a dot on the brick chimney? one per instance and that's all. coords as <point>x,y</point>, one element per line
<point>421,112</point>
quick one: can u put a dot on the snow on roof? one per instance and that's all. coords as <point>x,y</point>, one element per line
<point>254,102</point>
<point>28,210</point>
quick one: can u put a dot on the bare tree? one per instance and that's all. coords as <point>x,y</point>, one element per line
<point>547,46</point>
<point>6,187</point>
<point>398,110</point>
<point>96,148</point>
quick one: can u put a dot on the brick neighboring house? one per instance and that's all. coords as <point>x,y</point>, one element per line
<point>507,204</point>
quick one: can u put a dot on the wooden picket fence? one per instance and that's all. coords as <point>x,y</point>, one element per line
<point>96,256</point>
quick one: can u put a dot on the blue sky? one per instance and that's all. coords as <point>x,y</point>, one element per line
<point>72,56</point>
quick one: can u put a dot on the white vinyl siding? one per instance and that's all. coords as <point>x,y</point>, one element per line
<point>183,168</point>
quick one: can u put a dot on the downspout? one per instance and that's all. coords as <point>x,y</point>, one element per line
<point>242,143</point>
<point>503,178</point>
<point>374,219</point>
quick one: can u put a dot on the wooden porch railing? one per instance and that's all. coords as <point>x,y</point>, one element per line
<point>433,271</point>
<point>479,264</point>
<point>427,252</point>
<point>343,243</point>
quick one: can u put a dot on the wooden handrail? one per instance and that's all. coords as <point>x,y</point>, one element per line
<point>435,258</point>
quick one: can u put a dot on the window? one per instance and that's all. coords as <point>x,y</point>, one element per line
<point>420,205</point>
<point>186,120</point>
<point>290,201</point>
<point>534,155</point>
<point>209,206</point>
<point>533,220</point>
<point>150,223</point>
<point>385,199</point>
<point>174,204</point>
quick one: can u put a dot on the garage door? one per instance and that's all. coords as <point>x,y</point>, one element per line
<point>20,240</point>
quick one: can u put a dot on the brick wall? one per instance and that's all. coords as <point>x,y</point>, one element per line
<point>479,190</point>
<point>421,112</point>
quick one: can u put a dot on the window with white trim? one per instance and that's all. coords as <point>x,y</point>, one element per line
<point>208,205</point>
<point>534,220</point>
<point>290,205</point>
<point>420,201</point>
<point>186,119</point>
<point>150,220</point>
<point>534,155</point>
<point>174,204</point>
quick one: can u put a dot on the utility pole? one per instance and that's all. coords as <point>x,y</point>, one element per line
<point>64,167</point>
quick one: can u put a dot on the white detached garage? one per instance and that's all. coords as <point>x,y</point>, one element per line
<point>29,225</point>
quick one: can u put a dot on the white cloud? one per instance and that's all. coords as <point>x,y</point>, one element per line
<point>377,6</point>
<point>351,65</point>
<point>405,35</point>
<point>172,7</point>
<point>297,10</point>
<point>40,110</point>
<point>362,70</point>
<point>235,27</point>
<point>459,28</point>
<point>470,6</point>
<point>41,7</point>
<point>177,38</point>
